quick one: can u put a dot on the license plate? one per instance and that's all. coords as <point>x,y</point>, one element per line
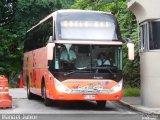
<point>89,96</point>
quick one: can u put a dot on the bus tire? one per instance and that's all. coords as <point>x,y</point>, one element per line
<point>46,100</point>
<point>101,104</point>
<point>30,95</point>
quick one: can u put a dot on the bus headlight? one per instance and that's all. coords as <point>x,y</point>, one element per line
<point>117,87</point>
<point>60,87</point>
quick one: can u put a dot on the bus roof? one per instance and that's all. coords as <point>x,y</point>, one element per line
<point>78,10</point>
<point>63,11</point>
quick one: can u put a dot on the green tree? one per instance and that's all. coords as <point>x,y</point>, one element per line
<point>66,3</point>
<point>7,11</point>
<point>9,52</point>
<point>28,13</point>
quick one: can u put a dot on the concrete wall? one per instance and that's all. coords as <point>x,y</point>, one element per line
<point>145,9</point>
<point>150,78</point>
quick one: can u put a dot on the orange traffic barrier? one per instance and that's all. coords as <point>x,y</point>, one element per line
<point>5,98</point>
<point>20,82</point>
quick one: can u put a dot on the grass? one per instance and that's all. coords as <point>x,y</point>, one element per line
<point>131,92</point>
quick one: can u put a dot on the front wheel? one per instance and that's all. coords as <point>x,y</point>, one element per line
<point>101,104</point>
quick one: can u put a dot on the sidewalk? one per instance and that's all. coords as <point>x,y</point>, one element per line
<point>135,103</point>
<point>18,93</point>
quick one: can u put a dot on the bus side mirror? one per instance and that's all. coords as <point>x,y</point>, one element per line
<point>130,47</point>
<point>50,46</point>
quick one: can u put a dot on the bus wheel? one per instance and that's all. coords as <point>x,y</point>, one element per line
<point>47,101</point>
<point>30,95</point>
<point>101,104</point>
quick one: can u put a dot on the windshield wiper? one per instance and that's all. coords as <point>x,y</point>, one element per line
<point>74,71</point>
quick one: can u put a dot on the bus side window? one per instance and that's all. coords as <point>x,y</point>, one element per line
<point>38,37</point>
<point>45,33</point>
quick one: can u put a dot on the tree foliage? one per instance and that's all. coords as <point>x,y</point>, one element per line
<point>28,13</point>
<point>7,11</point>
<point>9,52</point>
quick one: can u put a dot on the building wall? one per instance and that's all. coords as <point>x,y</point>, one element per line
<point>145,9</point>
<point>150,78</point>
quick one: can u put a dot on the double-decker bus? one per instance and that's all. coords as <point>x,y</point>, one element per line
<point>74,55</point>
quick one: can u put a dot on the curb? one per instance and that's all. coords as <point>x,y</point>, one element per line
<point>139,108</point>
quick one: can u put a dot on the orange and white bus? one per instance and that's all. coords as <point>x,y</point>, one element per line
<point>74,55</point>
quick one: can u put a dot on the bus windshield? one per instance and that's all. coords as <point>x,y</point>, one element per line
<point>87,58</point>
<point>86,26</point>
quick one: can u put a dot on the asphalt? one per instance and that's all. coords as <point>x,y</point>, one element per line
<point>132,102</point>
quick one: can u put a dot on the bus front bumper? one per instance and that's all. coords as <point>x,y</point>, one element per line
<point>86,93</point>
<point>110,97</point>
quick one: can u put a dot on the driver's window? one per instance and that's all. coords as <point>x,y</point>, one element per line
<point>103,55</point>
<point>103,60</point>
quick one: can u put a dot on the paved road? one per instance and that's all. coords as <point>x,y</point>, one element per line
<point>67,110</point>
